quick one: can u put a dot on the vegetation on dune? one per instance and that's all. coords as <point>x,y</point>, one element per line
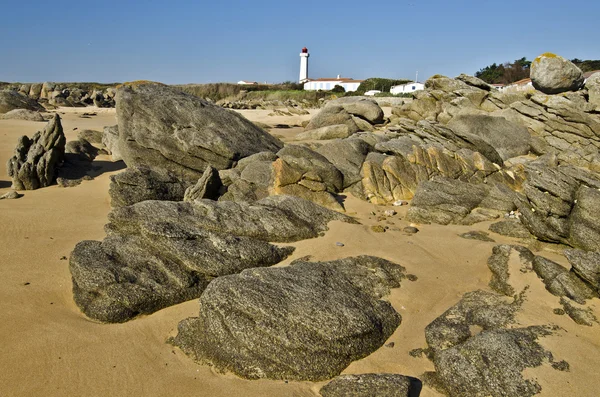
<point>588,65</point>
<point>218,91</point>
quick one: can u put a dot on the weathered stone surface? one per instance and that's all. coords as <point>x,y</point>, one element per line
<point>561,282</point>
<point>474,82</point>
<point>110,140</point>
<point>11,195</point>
<point>592,84</point>
<point>327,132</point>
<point>36,160</point>
<point>332,114</point>
<point>553,74</point>
<point>346,155</point>
<point>581,315</point>
<point>23,114</point>
<point>477,235</point>
<point>499,265</point>
<point>207,187</point>
<point>307,321</point>
<point>371,385</point>
<point>507,138</point>
<point>510,228</point>
<point>365,108</point>
<point>476,355</point>
<point>162,127</point>
<point>92,136</point>
<point>137,184</point>
<point>586,265</point>
<point>159,253</point>
<point>11,100</point>
<point>584,222</point>
<point>446,201</point>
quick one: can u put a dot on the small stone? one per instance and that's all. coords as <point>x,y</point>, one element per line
<point>411,277</point>
<point>11,195</point>
<point>378,229</point>
<point>389,212</point>
<point>559,312</point>
<point>390,345</point>
<point>410,230</point>
<point>339,244</point>
<point>400,203</point>
<point>63,258</point>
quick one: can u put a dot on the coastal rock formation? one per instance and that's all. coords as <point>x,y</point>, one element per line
<point>23,114</point>
<point>489,362</point>
<point>159,253</point>
<point>110,140</point>
<point>11,100</point>
<point>161,127</point>
<point>592,84</point>
<point>553,74</point>
<point>137,184</point>
<point>343,117</point>
<point>207,186</point>
<point>36,160</point>
<point>307,321</point>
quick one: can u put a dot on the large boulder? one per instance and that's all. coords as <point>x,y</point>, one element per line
<point>160,253</point>
<point>36,160</point>
<point>352,112</point>
<point>11,100</point>
<point>23,114</point>
<point>110,140</point>
<point>364,108</point>
<point>586,265</point>
<point>347,155</point>
<point>561,282</point>
<point>328,132</point>
<point>162,127</point>
<point>307,321</point>
<point>372,385</point>
<point>507,138</point>
<point>584,230</point>
<point>553,74</point>
<point>332,115</point>
<point>592,84</point>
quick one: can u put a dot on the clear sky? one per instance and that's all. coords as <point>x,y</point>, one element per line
<point>213,41</point>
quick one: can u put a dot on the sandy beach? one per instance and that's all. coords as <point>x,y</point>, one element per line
<point>49,348</point>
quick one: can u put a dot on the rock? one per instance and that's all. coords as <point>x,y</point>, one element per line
<point>510,228</point>
<point>474,352</point>
<point>378,229</point>
<point>323,133</point>
<point>347,156</point>
<point>11,195</point>
<point>81,149</point>
<point>162,127</point>
<point>36,160</point>
<point>307,321</point>
<point>410,230</point>
<point>137,184</point>
<point>159,253</point>
<point>499,264</point>
<point>365,108</point>
<point>477,235</point>
<point>92,136</point>
<point>592,84</point>
<point>581,316</point>
<point>11,100</point>
<point>332,115</point>
<point>560,282</point>
<point>371,385</point>
<point>23,114</point>
<point>207,187</point>
<point>584,220</point>
<point>474,82</point>
<point>586,265</point>
<point>110,140</point>
<point>553,74</point>
<point>507,138</point>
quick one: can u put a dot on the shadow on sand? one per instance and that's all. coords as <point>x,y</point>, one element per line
<point>5,184</point>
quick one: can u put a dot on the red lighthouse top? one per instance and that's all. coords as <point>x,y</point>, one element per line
<point>305,50</point>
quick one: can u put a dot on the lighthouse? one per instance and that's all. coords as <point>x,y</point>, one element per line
<point>304,65</point>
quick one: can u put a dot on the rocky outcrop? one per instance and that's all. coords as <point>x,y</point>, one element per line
<point>137,184</point>
<point>560,204</point>
<point>23,114</point>
<point>159,253</point>
<point>489,362</point>
<point>586,265</point>
<point>347,155</point>
<point>110,140</point>
<point>445,201</point>
<point>307,321</point>
<point>323,133</point>
<point>369,385</point>
<point>11,100</point>
<point>161,127</point>
<point>207,186</point>
<point>561,282</point>
<point>343,117</point>
<point>553,74</point>
<point>499,264</point>
<point>592,84</point>
<point>36,160</point>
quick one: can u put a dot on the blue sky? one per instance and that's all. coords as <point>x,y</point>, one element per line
<point>212,41</point>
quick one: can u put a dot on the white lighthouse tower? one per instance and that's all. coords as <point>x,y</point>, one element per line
<point>304,65</point>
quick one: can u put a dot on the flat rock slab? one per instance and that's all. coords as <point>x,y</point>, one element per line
<point>307,321</point>
<point>160,253</point>
<point>372,385</point>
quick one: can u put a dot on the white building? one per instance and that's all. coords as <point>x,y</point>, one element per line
<point>244,82</point>
<point>407,88</point>
<point>326,84</point>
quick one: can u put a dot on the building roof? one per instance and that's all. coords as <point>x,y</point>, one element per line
<point>337,80</point>
<point>521,82</point>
